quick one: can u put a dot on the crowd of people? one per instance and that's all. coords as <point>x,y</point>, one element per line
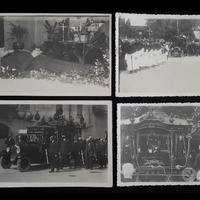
<point>89,153</point>
<point>65,146</point>
<point>143,54</point>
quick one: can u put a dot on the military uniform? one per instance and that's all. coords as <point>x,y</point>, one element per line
<point>54,155</point>
<point>99,152</point>
<point>90,154</point>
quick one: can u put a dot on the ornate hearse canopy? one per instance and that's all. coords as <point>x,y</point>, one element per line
<point>155,119</point>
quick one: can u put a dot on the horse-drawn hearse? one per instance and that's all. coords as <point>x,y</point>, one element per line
<point>160,147</point>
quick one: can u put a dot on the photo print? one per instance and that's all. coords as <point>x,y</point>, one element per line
<point>157,55</point>
<point>158,144</point>
<point>56,144</point>
<point>55,54</point>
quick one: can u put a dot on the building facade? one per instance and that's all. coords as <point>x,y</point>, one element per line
<point>16,117</point>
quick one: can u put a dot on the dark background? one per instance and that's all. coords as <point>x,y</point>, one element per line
<point>101,6</point>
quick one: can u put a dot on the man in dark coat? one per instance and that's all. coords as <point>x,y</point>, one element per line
<point>98,149</point>
<point>196,164</point>
<point>9,141</point>
<point>105,152</point>
<point>53,154</point>
<point>90,153</point>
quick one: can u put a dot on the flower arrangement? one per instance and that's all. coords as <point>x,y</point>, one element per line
<point>8,73</point>
<point>98,74</point>
<point>92,78</point>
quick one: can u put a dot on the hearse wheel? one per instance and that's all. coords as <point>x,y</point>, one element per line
<point>23,164</point>
<point>5,162</point>
<point>188,174</point>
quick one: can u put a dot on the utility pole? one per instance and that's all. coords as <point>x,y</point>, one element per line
<point>149,31</point>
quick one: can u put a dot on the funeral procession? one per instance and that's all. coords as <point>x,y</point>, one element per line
<point>159,143</point>
<point>41,139</point>
<point>161,46</point>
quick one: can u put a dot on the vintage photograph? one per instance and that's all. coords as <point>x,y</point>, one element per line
<point>157,55</point>
<point>55,54</point>
<point>60,143</point>
<point>158,144</point>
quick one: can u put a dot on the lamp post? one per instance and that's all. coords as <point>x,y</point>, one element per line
<point>149,32</point>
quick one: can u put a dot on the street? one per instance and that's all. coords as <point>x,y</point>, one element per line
<point>179,76</point>
<point>41,176</point>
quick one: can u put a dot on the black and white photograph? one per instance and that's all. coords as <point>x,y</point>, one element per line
<point>158,144</point>
<point>56,143</point>
<point>157,55</point>
<point>55,54</point>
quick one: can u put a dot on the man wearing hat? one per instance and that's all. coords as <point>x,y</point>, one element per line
<point>53,154</point>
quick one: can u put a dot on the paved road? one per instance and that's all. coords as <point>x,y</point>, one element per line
<point>179,76</point>
<point>41,175</point>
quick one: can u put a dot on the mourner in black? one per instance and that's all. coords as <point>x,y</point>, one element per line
<point>53,154</point>
<point>90,153</point>
<point>9,142</point>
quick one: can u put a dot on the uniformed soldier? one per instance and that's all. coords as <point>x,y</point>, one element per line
<point>99,152</point>
<point>90,153</point>
<point>53,154</point>
<point>80,151</point>
<point>75,152</point>
<point>105,153</point>
<point>63,153</point>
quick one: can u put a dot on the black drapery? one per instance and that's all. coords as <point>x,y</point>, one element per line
<point>4,131</point>
<point>1,32</point>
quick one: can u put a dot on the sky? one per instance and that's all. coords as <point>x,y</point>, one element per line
<point>136,20</point>
<point>140,19</point>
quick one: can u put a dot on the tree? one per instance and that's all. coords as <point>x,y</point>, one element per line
<point>168,28</point>
<point>162,28</point>
<point>125,29</point>
<point>128,112</point>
